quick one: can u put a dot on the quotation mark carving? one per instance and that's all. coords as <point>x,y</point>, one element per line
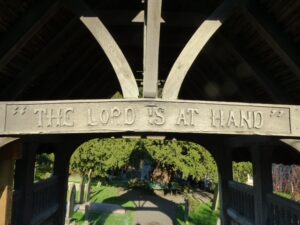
<point>276,113</point>
<point>20,110</point>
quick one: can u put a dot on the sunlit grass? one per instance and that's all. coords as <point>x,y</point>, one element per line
<point>200,214</point>
<point>107,194</point>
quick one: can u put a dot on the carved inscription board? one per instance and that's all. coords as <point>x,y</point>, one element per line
<point>102,116</point>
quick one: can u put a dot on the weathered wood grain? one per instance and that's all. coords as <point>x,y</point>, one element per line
<point>151,51</point>
<point>9,150</point>
<point>193,48</point>
<point>110,47</point>
<point>145,115</point>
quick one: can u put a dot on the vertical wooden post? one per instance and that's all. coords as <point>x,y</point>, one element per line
<point>151,47</point>
<point>224,161</point>
<point>6,182</point>
<point>61,170</point>
<point>24,181</point>
<point>262,178</point>
<point>10,150</point>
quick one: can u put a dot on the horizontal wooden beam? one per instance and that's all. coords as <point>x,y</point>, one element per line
<point>145,115</point>
<point>171,19</point>
<point>240,219</point>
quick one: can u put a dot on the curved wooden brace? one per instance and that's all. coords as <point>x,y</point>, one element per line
<point>294,143</point>
<point>194,46</point>
<point>4,141</point>
<point>110,47</point>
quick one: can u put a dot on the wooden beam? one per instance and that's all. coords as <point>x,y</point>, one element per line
<point>9,151</point>
<point>40,62</point>
<point>61,171</point>
<point>245,94</point>
<point>240,219</point>
<point>76,73</point>
<point>151,48</point>
<point>10,148</point>
<point>171,19</point>
<point>110,47</point>
<point>145,115</point>
<point>258,72</point>
<point>105,87</point>
<point>18,35</point>
<point>6,189</point>
<point>263,184</point>
<point>193,48</point>
<point>294,143</point>
<point>277,39</point>
<point>71,63</point>
<point>84,78</point>
<point>24,182</point>
<point>224,163</point>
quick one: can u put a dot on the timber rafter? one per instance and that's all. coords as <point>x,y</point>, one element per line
<point>259,73</point>
<point>38,64</point>
<point>25,29</point>
<point>192,49</point>
<point>110,47</point>
<point>280,42</point>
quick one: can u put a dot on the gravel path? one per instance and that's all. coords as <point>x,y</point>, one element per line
<point>152,209</point>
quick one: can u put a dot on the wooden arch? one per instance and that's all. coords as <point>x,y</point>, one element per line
<point>110,47</point>
<point>193,48</point>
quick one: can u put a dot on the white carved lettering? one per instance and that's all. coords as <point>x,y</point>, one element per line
<point>129,116</point>
<point>246,117</point>
<point>186,117</point>
<point>232,121</point>
<point>90,120</point>
<point>217,120</point>
<point>156,116</point>
<point>115,114</point>
<point>237,119</point>
<point>54,117</point>
<point>258,120</point>
<point>192,113</point>
<point>40,113</point>
<point>104,116</point>
<point>66,117</point>
<point>181,119</point>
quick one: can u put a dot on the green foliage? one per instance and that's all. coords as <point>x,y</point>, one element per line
<point>101,156</point>
<point>176,157</point>
<point>117,95</point>
<point>186,158</point>
<point>200,214</point>
<point>43,166</point>
<point>137,183</point>
<point>241,171</point>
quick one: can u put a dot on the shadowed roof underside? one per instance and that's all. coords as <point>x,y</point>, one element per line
<point>47,53</point>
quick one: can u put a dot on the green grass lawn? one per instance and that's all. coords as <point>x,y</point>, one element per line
<point>200,214</point>
<point>105,219</point>
<point>108,194</point>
